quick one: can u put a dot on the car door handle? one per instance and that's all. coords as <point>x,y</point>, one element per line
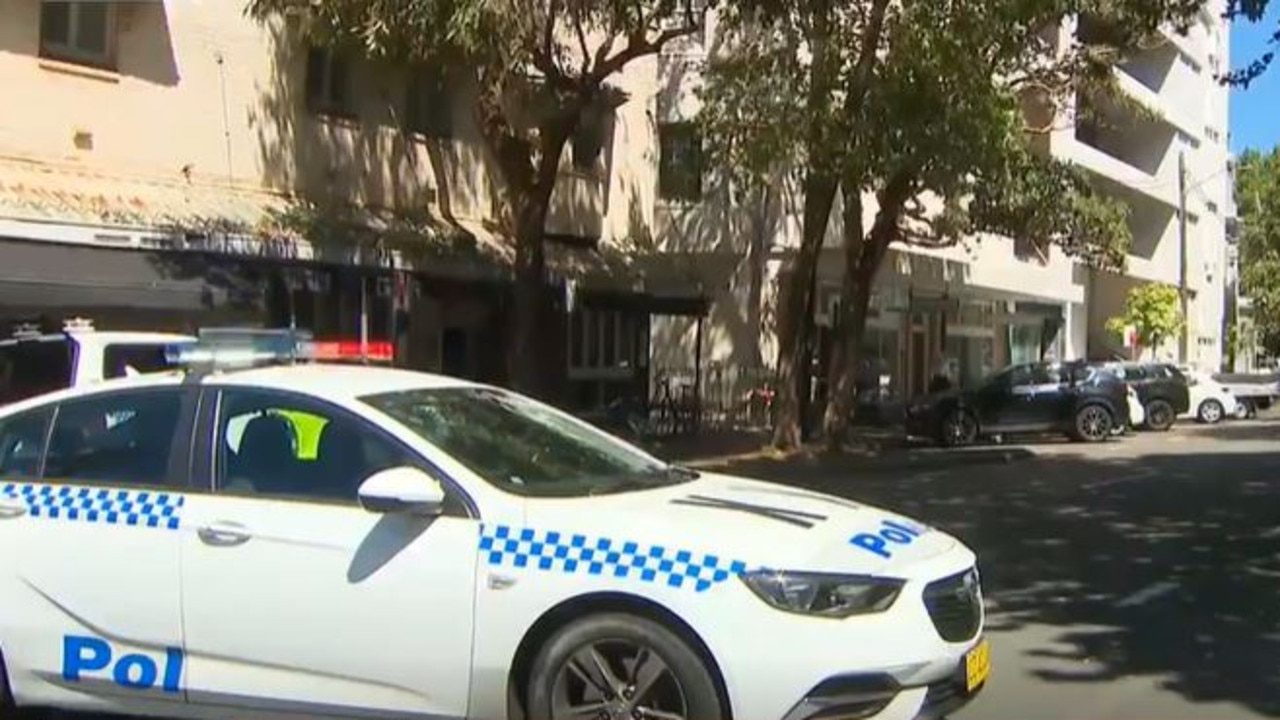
<point>12,508</point>
<point>224,533</point>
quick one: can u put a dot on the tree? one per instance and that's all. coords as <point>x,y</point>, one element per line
<point>771,106</point>
<point>1258,198</point>
<point>931,124</point>
<point>539,66</point>
<point>1253,11</point>
<point>1153,311</point>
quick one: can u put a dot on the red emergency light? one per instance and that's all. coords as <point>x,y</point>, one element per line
<point>374,350</point>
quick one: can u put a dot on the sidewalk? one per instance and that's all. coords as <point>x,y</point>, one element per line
<point>869,451</point>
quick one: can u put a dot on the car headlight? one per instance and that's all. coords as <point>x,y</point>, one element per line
<point>823,594</point>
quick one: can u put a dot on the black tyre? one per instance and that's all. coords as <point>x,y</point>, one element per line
<point>1242,410</point>
<point>1160,415</point>
<point>959,427</point>
<point>1211,412</point>
<point>620,666</point>
<point>1093,423</point>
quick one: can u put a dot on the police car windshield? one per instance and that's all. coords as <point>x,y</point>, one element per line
<point>522,446</point>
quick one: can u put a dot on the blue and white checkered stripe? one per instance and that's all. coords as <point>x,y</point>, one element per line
<point>570,553</point>
<point>139,508</point>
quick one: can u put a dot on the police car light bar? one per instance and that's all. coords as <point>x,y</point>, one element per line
<point>26,330</point>
<point>77,324</point>
<point>230,348</point>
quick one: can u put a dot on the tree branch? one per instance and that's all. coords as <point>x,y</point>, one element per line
<point>637,46</point>
<point>581,31</point>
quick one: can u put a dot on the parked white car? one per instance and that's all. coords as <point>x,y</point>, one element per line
<point>1211,401</point>
<point>34,361</point>
<point>309,540</point>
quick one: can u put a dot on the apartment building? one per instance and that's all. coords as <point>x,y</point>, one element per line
<point>1167,164</point>
<point>165,165</point>
<point>994,300</point>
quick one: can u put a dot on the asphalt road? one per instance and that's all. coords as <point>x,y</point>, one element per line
<point>1137,579</point>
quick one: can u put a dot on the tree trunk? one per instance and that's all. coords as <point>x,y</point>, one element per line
<point>526,364</point>
<point>795,320</point>
<point>864,253</point>
<point>855,294</point>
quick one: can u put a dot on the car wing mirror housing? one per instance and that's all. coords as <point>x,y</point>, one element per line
<point>403,490</point>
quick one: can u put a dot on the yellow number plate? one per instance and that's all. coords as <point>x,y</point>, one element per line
<point>977,665</point>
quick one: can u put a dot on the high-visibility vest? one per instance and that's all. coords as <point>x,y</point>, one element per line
<point>307,428</point>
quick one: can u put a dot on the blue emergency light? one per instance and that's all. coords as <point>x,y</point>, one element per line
<point>228,348</point>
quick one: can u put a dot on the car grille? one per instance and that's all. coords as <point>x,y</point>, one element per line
<point>955,606</point>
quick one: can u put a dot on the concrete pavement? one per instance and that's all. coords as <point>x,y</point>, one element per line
<point>1133,580</point>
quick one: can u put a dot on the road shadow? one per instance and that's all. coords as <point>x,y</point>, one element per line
<point>1260,429</point>
<point>1074,544</point>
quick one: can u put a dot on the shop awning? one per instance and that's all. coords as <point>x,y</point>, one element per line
<point>52,275</point>
<point>182,214</point>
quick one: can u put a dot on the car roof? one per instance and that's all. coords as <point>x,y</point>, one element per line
<point>324,380</point>
<point>336,380</point>
<point>103,337</point>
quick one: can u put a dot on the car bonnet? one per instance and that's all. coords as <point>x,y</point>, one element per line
<point>728,523</point>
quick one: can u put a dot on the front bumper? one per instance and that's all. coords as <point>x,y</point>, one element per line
<point>879,696</point>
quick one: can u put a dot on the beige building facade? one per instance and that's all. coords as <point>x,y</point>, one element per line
<point>168,135</point>
<point>169,164</point>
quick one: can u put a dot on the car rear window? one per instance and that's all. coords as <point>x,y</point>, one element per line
<point>142,357</point>
<point>35,367</point>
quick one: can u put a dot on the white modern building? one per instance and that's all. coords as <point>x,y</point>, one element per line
<point>1174,156</point>
<point>996,300</point>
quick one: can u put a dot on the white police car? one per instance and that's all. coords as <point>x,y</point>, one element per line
<point>306,540</point>
<point>36,360</point>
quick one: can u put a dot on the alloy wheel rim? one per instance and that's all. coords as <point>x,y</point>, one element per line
<point>960,429</point>
<point>1093,423</point>
<point>1212,411</point>
<point>617,680</point>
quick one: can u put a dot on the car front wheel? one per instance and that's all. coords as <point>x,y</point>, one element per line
<point>959,428</point>
<point>1093,423</point>
<point>1160,415</point>
<point>1211,412</point>
<point>615,665</point>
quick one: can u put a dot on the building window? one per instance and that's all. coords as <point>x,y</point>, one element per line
<point>328,83</point>
<point>78,32</point>
<point>601,343</point>
<point>428,103</point>
<point>679,162</point>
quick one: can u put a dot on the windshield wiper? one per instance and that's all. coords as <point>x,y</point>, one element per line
<point>659,477</point>
<point>682,472</point>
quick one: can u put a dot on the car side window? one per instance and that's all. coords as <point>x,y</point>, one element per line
<point>124,437</point>
<point>1020,377</point>
<point>277,445</point>
<point>22,439</point>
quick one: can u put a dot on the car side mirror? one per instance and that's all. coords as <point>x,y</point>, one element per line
<point>405,490</point>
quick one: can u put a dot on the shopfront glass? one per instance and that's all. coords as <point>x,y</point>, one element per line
<point>972,357</point>
<point>879,360</point>
<point>1024,343</point>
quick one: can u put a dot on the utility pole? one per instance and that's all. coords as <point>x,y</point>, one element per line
<point>1184,342</point>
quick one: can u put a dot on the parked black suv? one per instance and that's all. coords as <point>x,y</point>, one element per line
<point>1071,398</point>
<point>1162,389</point>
